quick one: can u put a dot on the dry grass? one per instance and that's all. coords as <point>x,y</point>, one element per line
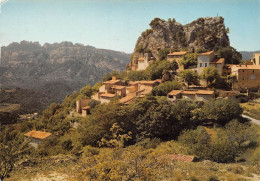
<point>251,109</point>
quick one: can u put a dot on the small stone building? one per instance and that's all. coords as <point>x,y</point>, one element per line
<point>105,98</point>
<point>37,137</point>
<point>80,104</point>
<point>247,77</point>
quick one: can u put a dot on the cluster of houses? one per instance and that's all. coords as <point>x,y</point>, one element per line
<point>247,76</point>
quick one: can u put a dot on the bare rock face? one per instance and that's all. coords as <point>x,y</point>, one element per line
<point>207,33</point>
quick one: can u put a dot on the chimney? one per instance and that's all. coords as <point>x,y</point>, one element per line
<point>113,77</point>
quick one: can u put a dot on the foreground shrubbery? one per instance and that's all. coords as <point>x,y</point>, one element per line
<point>224,145</point>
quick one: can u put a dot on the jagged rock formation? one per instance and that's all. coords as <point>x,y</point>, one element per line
<point>56,69</point>
<point>207,33</point>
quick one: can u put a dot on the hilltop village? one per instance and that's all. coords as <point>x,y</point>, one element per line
<point>245,78</point>
<point>178,111</point>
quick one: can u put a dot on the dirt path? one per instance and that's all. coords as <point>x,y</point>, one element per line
<point>255,121</point>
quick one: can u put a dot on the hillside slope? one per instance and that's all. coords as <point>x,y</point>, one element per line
<point>56,69</point>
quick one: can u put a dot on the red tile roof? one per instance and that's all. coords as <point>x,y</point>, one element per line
<point>38,134</point>
<point>178,53</point>
<point>108,95</point>
<point>86,107</point>
<point>112,81</point>
<point>250,67</point>
<point>118,87</point>
<point>221,60</point>
<point>174,92</point>
<point>127,99</point>
<point>206,53</point>
<point>205,92</point>
<point>148,82</point>
<point>189,92</point>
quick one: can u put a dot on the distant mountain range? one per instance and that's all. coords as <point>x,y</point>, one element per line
<point>56,69</point>
<point>248,55</point>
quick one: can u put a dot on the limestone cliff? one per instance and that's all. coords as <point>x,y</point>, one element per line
<point>207,33</point>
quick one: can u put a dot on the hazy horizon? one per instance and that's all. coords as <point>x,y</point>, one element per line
<point>116,25</point>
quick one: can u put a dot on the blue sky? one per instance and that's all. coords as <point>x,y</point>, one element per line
<point>116,24</point>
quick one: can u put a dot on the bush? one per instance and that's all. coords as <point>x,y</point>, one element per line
<point>164,88</point>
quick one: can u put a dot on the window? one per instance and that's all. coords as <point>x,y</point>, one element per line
<point>243,78</point>
<point>200,64</point>
<point>252,77</point>
<point>206,64</point>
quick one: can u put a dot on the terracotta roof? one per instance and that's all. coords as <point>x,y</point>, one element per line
<point>221,60</point>
<point>178,157</point>
<point>250,67</point>
<point>112,81</point>
<point>159,80</point>
<point>205,92</point>
<point>118,87</point>
<point>206,53</point>
<point>141,59</point>
<point>174,92</point>
<point>133,83</point>
<point>256,53</point>
<point>151,61</point>
<point>108,95</point>
<point>189,92</point>
<point>38,134</point>
<point>127,99</point>
<point>86,107</point>
<point>148,82</point>
<point>178,53</point>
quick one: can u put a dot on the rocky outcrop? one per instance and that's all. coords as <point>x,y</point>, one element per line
<point>207,33</point>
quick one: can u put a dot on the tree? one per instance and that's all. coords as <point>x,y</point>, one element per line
<point>230,55</point>
<point>210,74</point>
<point>164,88</point>
<point>189,76</point>
<point>10,152</point>
<point>162,54</point>
<point>189,59</point>
<point>221,111</point>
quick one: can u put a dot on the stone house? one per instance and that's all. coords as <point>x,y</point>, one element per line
<point>198,95</point>
<point>147,85</point>
<point>256,59</point>
<point>119,90</point>
<point>105,98</point>
<point>247,77</point>
<point>80,104</point>
<point>176,56</point>
<point>85,111</point>
<point>174,95</point>
<point>37,137</point>
<point>209,59</point>
<point>143,61</point>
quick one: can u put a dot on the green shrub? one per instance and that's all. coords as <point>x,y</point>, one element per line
<point>164,88</point>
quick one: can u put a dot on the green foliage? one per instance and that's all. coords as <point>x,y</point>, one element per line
<point>189,76</point>
<point>11,150</point>
<point>157,69</point>
<point>230,55</point>
<point>155,22</point>
<point>137,75</point>
<point>162,53</point>
<point>210,74</point>
<point>220,111</point>
<point>229,143</point>
<point>164,88</point>
<point>109,76</point>
<point>97,86</point>
<point>93,103</point>
<point>147,32</point>
<point>86,91</point>
<point>189,60</point>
